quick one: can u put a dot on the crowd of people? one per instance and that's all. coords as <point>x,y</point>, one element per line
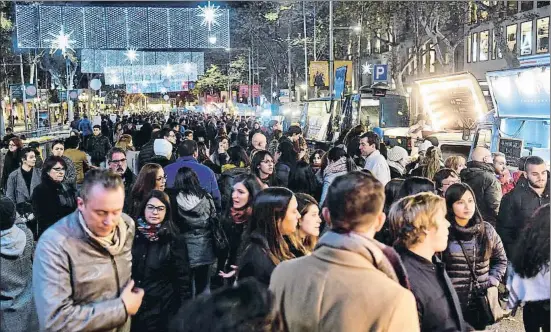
<point>197,222</point>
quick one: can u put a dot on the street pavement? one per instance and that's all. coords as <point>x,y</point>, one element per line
<point>510,324</point>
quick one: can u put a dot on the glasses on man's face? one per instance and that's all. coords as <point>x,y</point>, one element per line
<point>268,161</point>
<point>120,161</point>
<point>59,169</point>
<point>162,178</point>
<point>153,208</point>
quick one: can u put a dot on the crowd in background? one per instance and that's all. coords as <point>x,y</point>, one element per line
<point>199,222</point>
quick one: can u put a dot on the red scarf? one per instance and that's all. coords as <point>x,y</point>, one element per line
<point>241,215</point>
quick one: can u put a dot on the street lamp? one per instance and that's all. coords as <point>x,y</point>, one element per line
<point>212,39</point>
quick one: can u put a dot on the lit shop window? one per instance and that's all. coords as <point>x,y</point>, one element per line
<point>484,35</point>
<point>526,38</point>
<point>512,37</point>
<point>542,36</point>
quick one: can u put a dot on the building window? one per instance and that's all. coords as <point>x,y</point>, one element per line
<point>542,35</point>
<point>475,46</point>
<point>512,37</point>
<point>410,55</point>
<point>526,5</point>
<point>469,45</point>
<point>484,44</point>
<point>472,12</point>
<point>415,59</point>
<point>526,38</point>
<point>512,7</point>
<point>494,44</point>
<point>423,58</point>
<point>543,3</point>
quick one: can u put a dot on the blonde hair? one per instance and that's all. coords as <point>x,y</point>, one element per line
<point>125,143</point>
<point>432,162</point>
<point>412,216</point>
<point>453,162</point>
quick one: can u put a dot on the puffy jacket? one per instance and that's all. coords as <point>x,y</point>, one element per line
<point>192,216</point>
<point>76,283</point>
<point>161,268</point>
<point>52,201</point>
<point>97,147</point>
<point>226,182</point>
<point>487,189</point>
<point>490,270</point>
<point>516,207</point>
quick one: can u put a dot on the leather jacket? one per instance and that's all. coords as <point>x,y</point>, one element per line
<point>77,283</point>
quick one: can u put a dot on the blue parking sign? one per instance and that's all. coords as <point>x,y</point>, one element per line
<point>380,73</point>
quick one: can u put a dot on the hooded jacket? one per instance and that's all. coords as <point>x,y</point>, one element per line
<point>516,207</point>
<point>354,284</point>
<point>192,218</point>
<point>17,307</point>
<point>487,189</point>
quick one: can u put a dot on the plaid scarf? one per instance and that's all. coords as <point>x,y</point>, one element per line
<point>148,230</point>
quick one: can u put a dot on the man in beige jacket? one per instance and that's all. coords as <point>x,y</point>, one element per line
<point>350,282</point>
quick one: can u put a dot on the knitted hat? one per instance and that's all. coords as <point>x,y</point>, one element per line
<point>425,146</point>
<point>7,213</point>
<point>397,153</point>
<point>162,147</point>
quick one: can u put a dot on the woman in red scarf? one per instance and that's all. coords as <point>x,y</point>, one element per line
<point>245,188</point>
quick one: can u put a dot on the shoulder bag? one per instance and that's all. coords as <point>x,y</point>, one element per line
<point>485,300</point>
<point>220,240</point>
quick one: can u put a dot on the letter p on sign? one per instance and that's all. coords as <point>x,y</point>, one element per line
<point>380,73</point>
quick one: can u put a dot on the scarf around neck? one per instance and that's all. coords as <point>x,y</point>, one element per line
<point>150,231</point>
<point>383,258</point>
<point>112,243</point>
<point>336,167</point>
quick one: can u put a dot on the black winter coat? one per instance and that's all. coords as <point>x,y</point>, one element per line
<point>255,261</point>
<point>161,268</point>
<point>97,147</point>
<point>516,207</point>
<point>12,161</point>
<point>51,201</point>
<point>283,172</point>
<point>146,154</point>
<point>489,266</point>
<point>191,215</point>
<point>487,188</point>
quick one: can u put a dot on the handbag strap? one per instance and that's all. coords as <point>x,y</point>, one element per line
<point>471,267</point>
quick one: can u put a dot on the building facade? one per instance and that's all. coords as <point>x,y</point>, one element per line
<point>525,25</point>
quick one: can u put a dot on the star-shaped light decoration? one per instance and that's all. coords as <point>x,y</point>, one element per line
<point>131,55</point>
<point>61,41</point>
<point>366,68</point>
<point>209,13</point>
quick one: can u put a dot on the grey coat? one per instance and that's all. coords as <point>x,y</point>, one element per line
<point>70,172</point>
<point>17,189</point>
<point>17,309</point>
<point>77,283</point>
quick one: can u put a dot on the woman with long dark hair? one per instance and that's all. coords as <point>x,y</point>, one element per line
<point>237,216</point>
<point>220,156</point>
<point>275,215</point>
<point>415,185</point>
<point>528,282</point>
<point>392,189</point>
<point>472,243</point>
<point>338,163</point>
<point>151,177</point>
<point>12,160</point>
<point>193,207</point>
<point>159,264</point>
<point>315,160</point>
<point>52,199</point>
<point>262,166</point>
